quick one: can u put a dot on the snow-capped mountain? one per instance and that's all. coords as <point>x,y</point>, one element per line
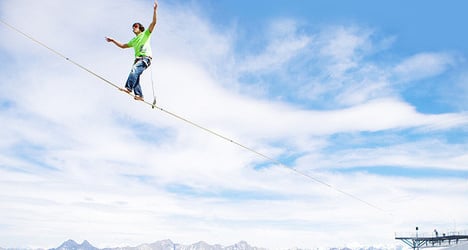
<point>72,245</point>
<point>162,245</point>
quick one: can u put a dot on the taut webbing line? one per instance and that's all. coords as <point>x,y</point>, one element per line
<point>153,105</point>
<point>58,53</point>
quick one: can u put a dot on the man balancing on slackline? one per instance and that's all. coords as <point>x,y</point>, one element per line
<point>143,55</point>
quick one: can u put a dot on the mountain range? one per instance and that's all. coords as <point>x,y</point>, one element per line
<point>169,245</point>
<point>159,245</point>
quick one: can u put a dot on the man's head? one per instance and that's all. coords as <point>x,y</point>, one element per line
<point>138,28</point>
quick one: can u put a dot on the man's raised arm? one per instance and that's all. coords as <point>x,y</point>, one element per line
<point>155,17</point>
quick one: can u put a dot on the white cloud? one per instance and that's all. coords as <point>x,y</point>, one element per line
<point>344,47</point>
<point>284,43</point>
<point>328,69</point>
<point>423,65</point>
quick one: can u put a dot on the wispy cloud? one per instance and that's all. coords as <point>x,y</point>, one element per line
<point>285,42</point>
<point>422,66</point>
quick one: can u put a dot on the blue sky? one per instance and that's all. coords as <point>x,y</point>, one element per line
<point>367,97</point>
<point>420,25</point>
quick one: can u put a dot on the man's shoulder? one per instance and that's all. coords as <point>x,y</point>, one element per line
<point>136,38</point>
<point>132,41</point>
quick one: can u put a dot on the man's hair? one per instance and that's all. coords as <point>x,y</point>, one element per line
<point>141,27</point>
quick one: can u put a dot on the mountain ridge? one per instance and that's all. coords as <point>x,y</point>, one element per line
<point>158,245</point>
<point>167,244</point>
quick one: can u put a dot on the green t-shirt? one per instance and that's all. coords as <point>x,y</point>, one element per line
<point>141,44</point>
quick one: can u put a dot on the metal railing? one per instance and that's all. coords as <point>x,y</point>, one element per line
<point>429,235</point>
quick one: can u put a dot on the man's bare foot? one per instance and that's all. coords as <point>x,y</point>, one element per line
<point>125,90</point>
<point>138,98</point>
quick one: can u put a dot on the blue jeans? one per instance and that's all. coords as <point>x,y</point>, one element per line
<point>133,81</point>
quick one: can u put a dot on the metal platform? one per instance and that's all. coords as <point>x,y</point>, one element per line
<point>417,241</point>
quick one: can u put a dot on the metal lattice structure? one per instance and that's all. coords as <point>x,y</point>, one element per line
<point>417,241</point>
